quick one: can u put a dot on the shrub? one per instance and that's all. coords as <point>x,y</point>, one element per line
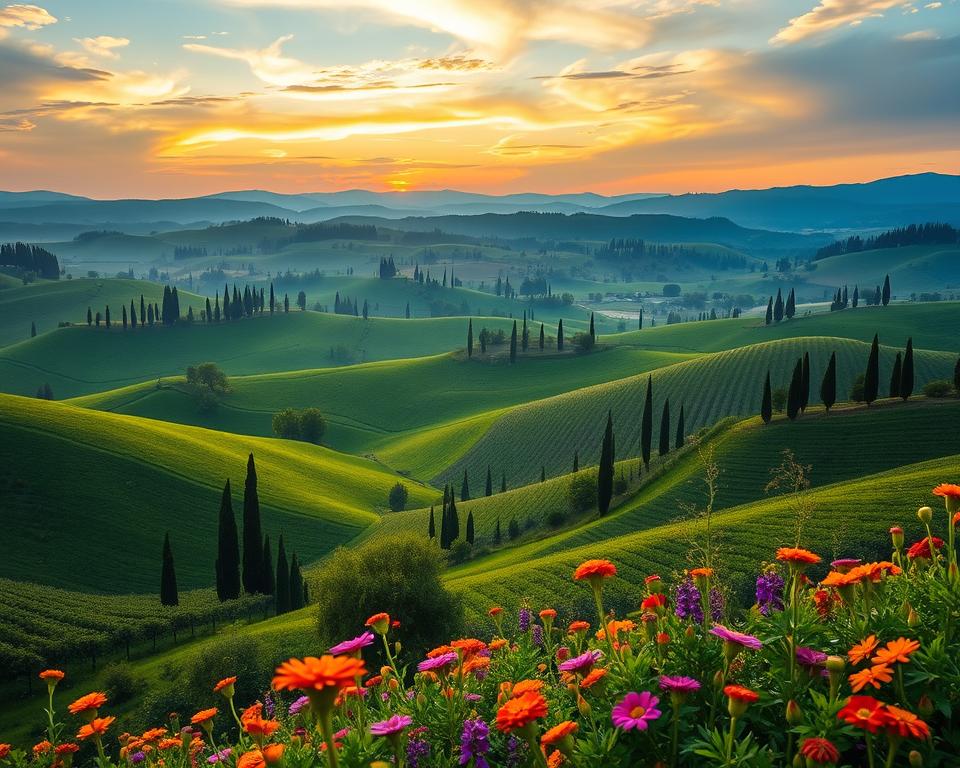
<point>779,399</point>
<point>856,389</point>
<point>583,341</point>
<point>582,492</point>
<point>556,518</point>
<point>398,497</point>
<point>938,388</point>
<point>460,551</point>
<point>671,290</point>
<point>119,682</point>
<point>307,425</point>
<point>513,530</point>
<point>401,577</point>
<point>208,376</point>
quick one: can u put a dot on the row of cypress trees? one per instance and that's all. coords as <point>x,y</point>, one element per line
<point>450,520</point>
<point>522,339</point>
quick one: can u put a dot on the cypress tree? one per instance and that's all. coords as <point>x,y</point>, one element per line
<point>489,488</point>
<point>766,405</point>
<point>465,488</point>
<point>793,395</point>
<point>168,576</point>
<point>542,337</point>
<point>89,316</point>
<point>107,316</point>
<point>605,470</point>
<point>791,309</point>
<point>470,338</point>
<point>454,519</point>
<point>828,387</point>
<point>208,314</point>
<point>525,335</point>
<point>543,473</point>
<point>895,375</point>
<point>406,313</point>
<point>143,314</point>
<point>470,528</point>
<point>252,536</point>
<point>503,483</point>
<point>497,535</point>
<point>445,519</point>
<point>228,550</point>
<point>906,373</point>
<point>769,318</point>
<point>432,526</point>
<point>885,295</point>
<point>273,300</point>
<point>283,579</point>
<point>871,377</point>
<point>269,578</point>
<point>124,319</point>
<point>576,461</point>
<point>593,333</point>
<point>296,584</point>
<point>956,375</point>
<point>877,297</point>
<point>681,437</point>
<point>513,343</point>
<point>646,424</point>
<point>856,296</point>
<point>664,447</point>
<point>640,320</point>
<point>805,382</point>
<point>559,335</point>
<point>778,307</point>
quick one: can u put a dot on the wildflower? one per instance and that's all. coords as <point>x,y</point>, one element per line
<point>52,676</point>
<point>898,650</point>
<point>474,743</point>
<point>905,724</point>
<point>526,686</point>
<point>862,650</point>
<point>678,684</point>
<point>560,736</point>
<point>577,627</point>
<point>796,557</point>
<point>523,619</point>
<point>297,706</point>
<point>686,600</point>
<point>42,747</point>
<point>581,664</point>
<point>220,757</point>
<point>739,699</point>
<point>495,611</point>
<point>314,675</point>
<point>636,711</point>
<point>260,728</point>
<point>519,712</point>
<point>864,712</point>
<point>594,571</point>
<point>537,635</point>
<point>4,751</point>
<point>896,534</point>
<point>808,657</point>
<point>734,638</point>
<point>204,717</point>
<point>352,647</point>
<point>226,687</point>
<point>96,728</point>
<point>548,613</point>
<point>88,705</point>
<point>496,645</point>
<point>391,726</point>
<point>68,748</point>
<point>819,751</point>
<point>950,494</point>
<point>418,750</point>
<point>769,592</point>
<point>875,675</point>
<point>921,549</point>
<point>593,678</point>
<point>379,623</point>
<point>442,662</point>
<point>654,602</point>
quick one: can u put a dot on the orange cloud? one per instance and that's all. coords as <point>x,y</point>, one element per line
<point>829,15</point>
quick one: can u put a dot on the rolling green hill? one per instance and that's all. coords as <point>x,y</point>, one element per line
<point>87,496</point>
<point>912,268</point>
<point>730,383</point>
<point>51,302</point>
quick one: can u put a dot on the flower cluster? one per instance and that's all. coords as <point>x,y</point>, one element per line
<point>851,665</point>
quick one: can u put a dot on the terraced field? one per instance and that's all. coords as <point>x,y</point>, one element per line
<point>121,482</point>
<point>730,383</point>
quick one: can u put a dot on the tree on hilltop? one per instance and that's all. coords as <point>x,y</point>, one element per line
<point>252,533</point>
<point>168,576</point>
<point>605,470</point>
<point>646,424</point>
<point>664,447</point>
<point>766,405</point>
<point>228,550</point>
<point>828,387</point>
<point>906,372</point>
<point>871,377</point>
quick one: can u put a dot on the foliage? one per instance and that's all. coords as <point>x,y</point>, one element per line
<point>938,388</point>
<point>398,497</point>
<point>306,424</point>
<point>582,491</point>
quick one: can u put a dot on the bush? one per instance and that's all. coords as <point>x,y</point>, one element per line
<point>513,530</point>
<point>307,425</point>
<point>119,682</point>
<point>583,341</point>
<point>938,388</point>
<point>556,518</point>
<point>208,376</point>
<point>779,399</point>
<point>398,497</point>
<point>460,551</point>
<point>582,492</point>
<point>856,390</point>
<point>671,290</point>
<point>401,577</point>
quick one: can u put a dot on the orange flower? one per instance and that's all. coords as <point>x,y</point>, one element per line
<point>956,519</point>
<point>595,676</point>
<point>594,569</point>
<point>254,710</point>
<point>67,749</point>
<point>95,728</point>
<point>379,623</point>
<point>226,682</point>
<point>797,556</point>
<point>862,650</point>
<point>496,645</point>
<point>837,579</point>
<point>474,664</point>
<point>905,724</point>
<point>42,747</point>
<point>313,674</point>
<point>526,686</point>
<point>251,759</point>
<point>4,751</point>
<point>578,626</point>
<point>272,753</point>
<point>881,673</point>
<point>204,716</point>
<point>52,674</point>
<point>90,702</point>
<point>170,743</point>
<point>559,732</point>
<point>520,712</point>
<point>701,573</point>
<point>947,490</point>
<point>469,646</point>
<point>556,759</point>
<point>739,693</point>
<point>154,734</point>
<point>258,727</point>
<point>898,650</point>
<point>495,611</point>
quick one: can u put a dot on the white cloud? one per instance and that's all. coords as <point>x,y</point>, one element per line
<point>829,15</point>
<point>921,34</point>
<point>31,17</point>
<point>103,45</point>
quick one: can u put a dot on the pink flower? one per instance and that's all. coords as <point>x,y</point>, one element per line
<point>437,662</point>
<point>738,638</point>
<point>581,663</point>
<point>392,726</point>
<point>635,711</point>
<point>352,646</point>
<point>678,684</point>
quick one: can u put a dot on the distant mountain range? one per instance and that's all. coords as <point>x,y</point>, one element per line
<point>873,205</point>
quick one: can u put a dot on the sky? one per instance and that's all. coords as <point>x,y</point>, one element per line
<point>174,98</point>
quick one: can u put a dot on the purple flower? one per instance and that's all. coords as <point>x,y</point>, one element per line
<point>769,592</point>
<point>417,750</point>
<point>472,697</point>
<point>524,619</point>
<point>582,663</point>
<point>686,598</point>
<point>298,705</point>
<point>217,757</point>
<point>846,563</point>
<point>678,684</point>
<point>474,743</point>
<point>515,750</point>
<point>137,757</point>
<point>636,711</point>
<point>537,634</point>
<point>392,726</point>
<point>808,657</point>
<point>738,638</point>
<point>269,707</point>
<point>716,604</point>
<point>443,660</point>
<point>353,646</point>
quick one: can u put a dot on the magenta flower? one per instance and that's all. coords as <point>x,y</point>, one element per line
<point>353,646</point>
<point>678,684</point>
<point>221,756</point>
<point>846,562</point>
<point>737,638</point>
<point>297,706</point>
<point>437,662</point>
<point>636,711</point>
<point>391,727</point>
<point>808,657</point>
<point>581,663</point>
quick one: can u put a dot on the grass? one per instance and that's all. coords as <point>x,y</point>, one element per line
<point>545,433</point>
<point>911,268</point>
<point>96,520</point>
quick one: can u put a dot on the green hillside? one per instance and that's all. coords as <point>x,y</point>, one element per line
<point>87,496</point>
<point>49,303</point>
<point>82,360</point>
<point>729,383</point>
<point>912,268</point>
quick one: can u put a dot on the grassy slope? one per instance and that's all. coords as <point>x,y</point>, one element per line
<point>911,268</point>
<point>50,302</point>
<point>546,432</point>
<point>119,482</point>
<point>78,361</point>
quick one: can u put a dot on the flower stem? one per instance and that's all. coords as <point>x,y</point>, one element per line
<point>675,737</point>
<point>326,728</point>
<point>730,740</point>
<point>870,760</point>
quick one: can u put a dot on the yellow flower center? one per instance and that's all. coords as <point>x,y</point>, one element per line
<point>863,713</point>
<point>637,712</point>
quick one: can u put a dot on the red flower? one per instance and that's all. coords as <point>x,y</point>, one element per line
<point>905,724</point>
<point>594,569</point>
<point>947,490</point>
<point>739,693</point>
<point>820,751</point>
<point>922,547</point>
<point>864,712</point>
<point>653,602</point>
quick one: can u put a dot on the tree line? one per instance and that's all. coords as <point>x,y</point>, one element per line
<point>880,297</point>
<point>933,233</point>
<point>30,258</point>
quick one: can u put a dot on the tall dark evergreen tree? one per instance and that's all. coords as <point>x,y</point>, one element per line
<point>542,337</point>
<point>432,526</point>
<point>470,531</point>
<point>525,334</point>
<point>143,313</point>
<point>445,519</point>
<point>559,335</point>
<point>454,518</point>
<point>503,483</point>
<point>273,300</point>
<point>681,437</point>
<point>208,315</point>
<point>778,307</point>
<point>769,317</point>
<point>856,296</point>
<point>766,405</point>
<point>150,314</point>
<point>805,382</point>
<point>664,447</point>
<point>885,294</point>
<point>791,308</point>
<point>593,332</point>
<point>543,473</point>
<point>470,338</point>
<point>871,377</point>
<point>513,343</point>
<point>89,316</point>
<point>269,578</point>
<point>956,375</point>
<point>168,576</point>
<point>406,313</point>
<point>906,373</point>
<point>489,489</point>
<point>296,584</point>
<point>793,394</point>
<point>252,533</point>
<point>465,488</point>
<point>123,319</point>
<point>576,461</point>
<point>828,387</point>
<point>605,470</point>
<point>283,579</point>
<point>646,424</point>
<point>497,535</point>
<point>107,316</point>
<point>228,549</point>
<point>640,320</point>
<point>895,376</point>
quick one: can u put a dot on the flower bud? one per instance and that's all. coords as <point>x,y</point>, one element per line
<point>925,706</point>
<point>896,534</point>
<point>925,515</point>
<point>718,681</point>
<point>583,706</point>
<point>913,619</point>
<point>397,648</point>
<point>794,714</point>
<point>393,683</point>
<point>799,761</point>
<point>836,664</point>
<point>915,758</point>
<point>736,707</point>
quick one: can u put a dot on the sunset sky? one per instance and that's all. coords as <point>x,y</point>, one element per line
<point>172,98</point>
